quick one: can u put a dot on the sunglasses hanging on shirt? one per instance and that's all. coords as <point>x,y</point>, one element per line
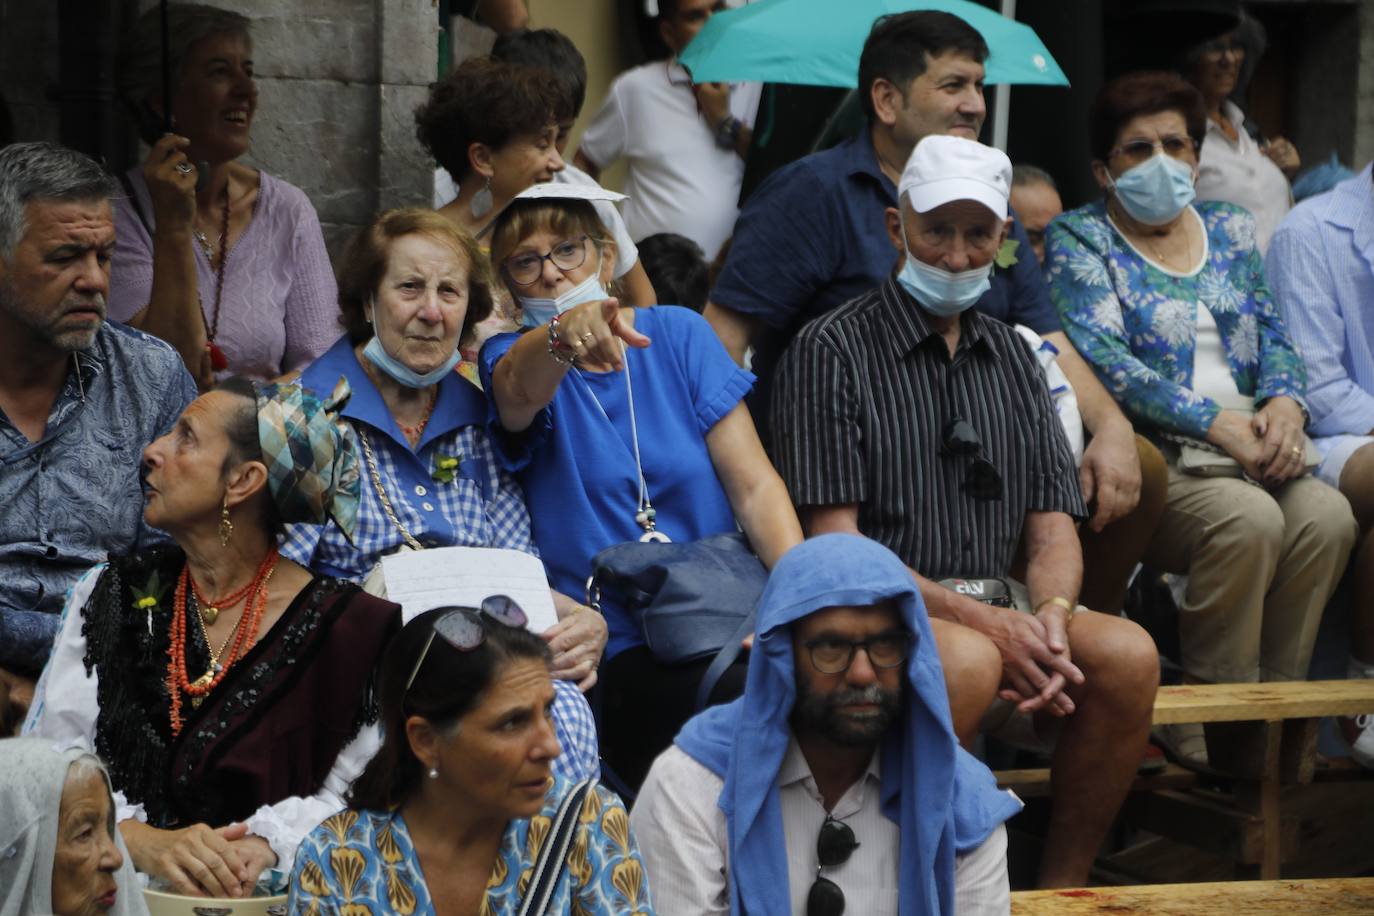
<point>834,846</point>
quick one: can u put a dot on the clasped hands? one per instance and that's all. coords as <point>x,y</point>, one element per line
<point>1036,665</point>
<point>200,860</point>
<point>1270,446</point>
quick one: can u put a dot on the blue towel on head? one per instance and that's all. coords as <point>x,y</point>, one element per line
<point>942,798</point>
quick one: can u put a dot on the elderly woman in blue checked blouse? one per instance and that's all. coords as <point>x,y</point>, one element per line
<point>410,286</point>
<point>1166,299</point>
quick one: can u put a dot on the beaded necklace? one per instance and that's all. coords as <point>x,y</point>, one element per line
<point>413,433</point>
<point>218,361</point>
<point>209,607</point>
<point>244,635</point>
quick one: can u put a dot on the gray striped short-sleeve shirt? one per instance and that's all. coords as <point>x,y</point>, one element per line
<point>862,399</point>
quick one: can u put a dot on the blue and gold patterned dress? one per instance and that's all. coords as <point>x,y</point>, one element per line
<point>362,863</point>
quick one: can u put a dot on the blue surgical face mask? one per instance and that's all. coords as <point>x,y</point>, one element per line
<point>1156,191</point>
<point>538,311</point>
<point>942,292</point>
<point>400,372</point>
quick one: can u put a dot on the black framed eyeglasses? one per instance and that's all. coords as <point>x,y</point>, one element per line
<point>834,846</point>
<point>832,655</point>
<point>461,627</point>
<point>568,254</point>
<point>982,481</point>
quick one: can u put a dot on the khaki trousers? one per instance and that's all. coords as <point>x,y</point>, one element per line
<point>1261,567</point>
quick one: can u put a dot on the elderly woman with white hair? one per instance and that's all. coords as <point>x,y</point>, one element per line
<point>220,259</point>
<point>59,850</point>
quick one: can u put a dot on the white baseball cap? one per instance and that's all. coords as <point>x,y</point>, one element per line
<point>943,169</point>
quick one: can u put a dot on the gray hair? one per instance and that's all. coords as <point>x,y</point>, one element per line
<point>44,171</point>
<point>87,765</point>
<point>1023,175</point>
<point>139,68</point>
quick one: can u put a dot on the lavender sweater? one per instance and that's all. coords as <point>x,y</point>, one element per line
<point>280,308</point>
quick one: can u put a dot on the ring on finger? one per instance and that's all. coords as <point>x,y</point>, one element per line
<point>587,336</point>
<point>185,168</point>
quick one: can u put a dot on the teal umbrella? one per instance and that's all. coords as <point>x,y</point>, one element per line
<point>817,42</point>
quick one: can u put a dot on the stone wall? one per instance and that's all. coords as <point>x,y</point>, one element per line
<point>337,86</point>
<point>338,83</point>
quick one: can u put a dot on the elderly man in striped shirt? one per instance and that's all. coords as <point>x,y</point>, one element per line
<point>908,417</point>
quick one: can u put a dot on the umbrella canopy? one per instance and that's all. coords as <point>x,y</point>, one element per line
<point>817,42</point>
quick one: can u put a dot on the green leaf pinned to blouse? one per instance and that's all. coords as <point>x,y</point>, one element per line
<point>445,466</point>
<point>150,596</point>
<point>1006,255</point>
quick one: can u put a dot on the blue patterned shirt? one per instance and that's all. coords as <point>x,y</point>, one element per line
<point>1137,324</point>
<point>363,863</point>
<point>74,496</point>
<point>473,503</point>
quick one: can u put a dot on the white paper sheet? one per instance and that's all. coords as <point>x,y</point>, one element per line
<point>418,580</point>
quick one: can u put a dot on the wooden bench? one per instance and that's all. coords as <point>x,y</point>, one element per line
<point>1274,726</point>
<point>1251,898</point>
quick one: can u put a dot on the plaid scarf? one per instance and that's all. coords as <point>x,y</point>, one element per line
<point>311,456</point>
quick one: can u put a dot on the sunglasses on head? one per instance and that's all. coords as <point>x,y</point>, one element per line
<point>834,846</point>
<point>461,627</point>
<point>983,481</point>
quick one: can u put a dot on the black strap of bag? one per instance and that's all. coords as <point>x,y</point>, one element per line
<point>723,660</point>
<point>553,855</point>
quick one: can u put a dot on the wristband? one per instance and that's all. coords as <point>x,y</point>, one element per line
<point>1065,603</point>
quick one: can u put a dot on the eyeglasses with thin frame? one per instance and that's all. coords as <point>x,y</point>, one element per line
<point>569,254</point>
<point>461,627</point>
<point>1174,146</point>
<point>983,481</point>
<point>1217,48</point>
<point>834,846</point>
<point>833,655</point>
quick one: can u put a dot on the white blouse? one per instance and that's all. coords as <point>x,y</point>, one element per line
<point>1239,173</point>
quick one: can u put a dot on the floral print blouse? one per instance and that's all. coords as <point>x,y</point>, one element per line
<point>1137,324</point>
<point>362,863</point>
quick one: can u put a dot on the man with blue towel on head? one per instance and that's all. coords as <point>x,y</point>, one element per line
<point>835,784</point>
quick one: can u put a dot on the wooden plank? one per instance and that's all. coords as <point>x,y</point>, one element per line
<point>1298,759</point>
<point>1234,898</point>
<point>1035,783</point>
<point>1201,821</point>
<point>1262,702</point>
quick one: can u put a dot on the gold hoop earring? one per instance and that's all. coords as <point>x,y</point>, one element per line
<point>226,527</point>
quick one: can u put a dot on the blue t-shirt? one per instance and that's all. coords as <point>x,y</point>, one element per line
<point>576,460</point>
<point>813,236</point>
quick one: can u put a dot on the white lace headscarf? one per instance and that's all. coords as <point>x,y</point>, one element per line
<point>32,776</point>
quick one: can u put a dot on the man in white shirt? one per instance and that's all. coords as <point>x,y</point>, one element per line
<point>685,142</point>
<point>829,786</point>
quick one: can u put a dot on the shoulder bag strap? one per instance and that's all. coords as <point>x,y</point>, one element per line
<point>553,855</point>
<point>723,660</point>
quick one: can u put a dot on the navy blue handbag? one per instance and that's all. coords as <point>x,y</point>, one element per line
<point>692,601</point>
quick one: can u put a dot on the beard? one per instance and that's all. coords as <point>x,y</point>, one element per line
<point>44,328</point>
<point>824,714</point>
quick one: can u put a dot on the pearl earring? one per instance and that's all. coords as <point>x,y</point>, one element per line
<point>433,772</point>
